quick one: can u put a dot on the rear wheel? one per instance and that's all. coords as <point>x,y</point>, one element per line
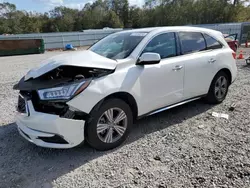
<point>218,89</point>
<point>109,125</point>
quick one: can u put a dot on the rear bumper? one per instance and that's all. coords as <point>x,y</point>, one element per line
<point>48,130</point>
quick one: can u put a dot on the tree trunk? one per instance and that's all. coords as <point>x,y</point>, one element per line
<point>235,2</point>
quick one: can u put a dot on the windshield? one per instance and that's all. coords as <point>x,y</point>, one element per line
<point>118,45</point>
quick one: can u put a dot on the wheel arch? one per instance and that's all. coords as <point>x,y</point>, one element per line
<point>228,73</point>
<point>210,98</point>
<point>126,97</point>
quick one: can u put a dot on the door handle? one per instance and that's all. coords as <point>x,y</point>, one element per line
<point>211,61</point>
<point>177,68</point>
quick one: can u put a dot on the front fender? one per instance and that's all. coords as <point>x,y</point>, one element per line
<point>98,90</point>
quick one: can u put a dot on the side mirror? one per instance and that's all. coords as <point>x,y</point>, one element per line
<point>149,59</point>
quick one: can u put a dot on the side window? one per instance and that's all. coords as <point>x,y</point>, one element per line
<point>212,43</point>
<point>163,44</point>
<point>192,42</point>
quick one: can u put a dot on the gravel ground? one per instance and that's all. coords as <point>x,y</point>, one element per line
<point>182,147</point>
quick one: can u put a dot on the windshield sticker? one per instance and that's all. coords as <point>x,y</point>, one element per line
<point>138,34</point>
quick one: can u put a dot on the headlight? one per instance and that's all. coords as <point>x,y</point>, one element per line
<point>64,92</point>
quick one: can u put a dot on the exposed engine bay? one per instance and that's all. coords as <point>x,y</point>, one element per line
<point>57,77</point>
<point>61,76</point>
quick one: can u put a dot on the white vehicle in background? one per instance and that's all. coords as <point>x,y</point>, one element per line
<point>106,28</point>
<point>97,94</point>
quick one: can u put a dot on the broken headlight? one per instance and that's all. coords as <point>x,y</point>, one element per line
<point>63,92</point>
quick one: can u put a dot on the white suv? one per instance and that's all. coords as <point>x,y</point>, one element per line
<point>97,94</point>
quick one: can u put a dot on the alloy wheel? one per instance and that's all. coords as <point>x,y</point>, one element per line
<point>112,125</point>
<point>221,87</point>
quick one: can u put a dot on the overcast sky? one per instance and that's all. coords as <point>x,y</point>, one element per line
<point>45,5</point>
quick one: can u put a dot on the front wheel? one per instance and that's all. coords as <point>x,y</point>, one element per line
<point>218,89</point>
<point>109,124</point>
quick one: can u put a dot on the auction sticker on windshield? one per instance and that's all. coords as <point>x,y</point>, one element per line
<point>138,34</point>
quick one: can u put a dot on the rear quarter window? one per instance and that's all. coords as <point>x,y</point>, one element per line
<point>212,43</point>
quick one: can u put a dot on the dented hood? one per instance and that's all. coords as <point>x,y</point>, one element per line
<point>85,58</point>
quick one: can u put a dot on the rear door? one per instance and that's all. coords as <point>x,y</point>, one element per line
<point>199,60</point>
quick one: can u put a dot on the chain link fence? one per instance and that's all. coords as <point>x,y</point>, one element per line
<point>60,40</point>
<point>89,37</point>
<point>241,29</point>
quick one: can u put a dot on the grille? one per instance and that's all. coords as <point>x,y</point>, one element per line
<point>50,107</point>
<point>21,105</point>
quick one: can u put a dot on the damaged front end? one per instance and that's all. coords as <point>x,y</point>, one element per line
<point>51,91</point>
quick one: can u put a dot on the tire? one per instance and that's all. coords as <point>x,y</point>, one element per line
<point>248,61</point>
<point>214,97</point>
<point>101,141</point>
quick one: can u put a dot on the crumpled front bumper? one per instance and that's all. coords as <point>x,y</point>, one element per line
<point>48,130</point>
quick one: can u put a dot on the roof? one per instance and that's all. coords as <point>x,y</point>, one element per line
<point>224,24</point>
<point>172,28</point>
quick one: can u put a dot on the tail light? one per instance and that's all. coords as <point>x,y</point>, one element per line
<point>234,55</point>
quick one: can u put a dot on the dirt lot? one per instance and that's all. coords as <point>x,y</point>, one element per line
<point>182,147</point>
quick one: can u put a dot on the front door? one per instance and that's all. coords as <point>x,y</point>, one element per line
<point>162,84</point>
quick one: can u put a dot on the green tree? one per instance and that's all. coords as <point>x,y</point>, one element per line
<point>121,9</point>
<point>118,13</point>
<point>134,19</point>
<point>111,20</point>
<point>63,18</point>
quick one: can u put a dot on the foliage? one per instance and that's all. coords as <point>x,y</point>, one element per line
<point>118,13</point>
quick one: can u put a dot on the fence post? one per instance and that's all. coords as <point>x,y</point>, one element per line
<point>94,37</point>
<point>45,47</point>
<point>63,42</point>
<point>79,39</point>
